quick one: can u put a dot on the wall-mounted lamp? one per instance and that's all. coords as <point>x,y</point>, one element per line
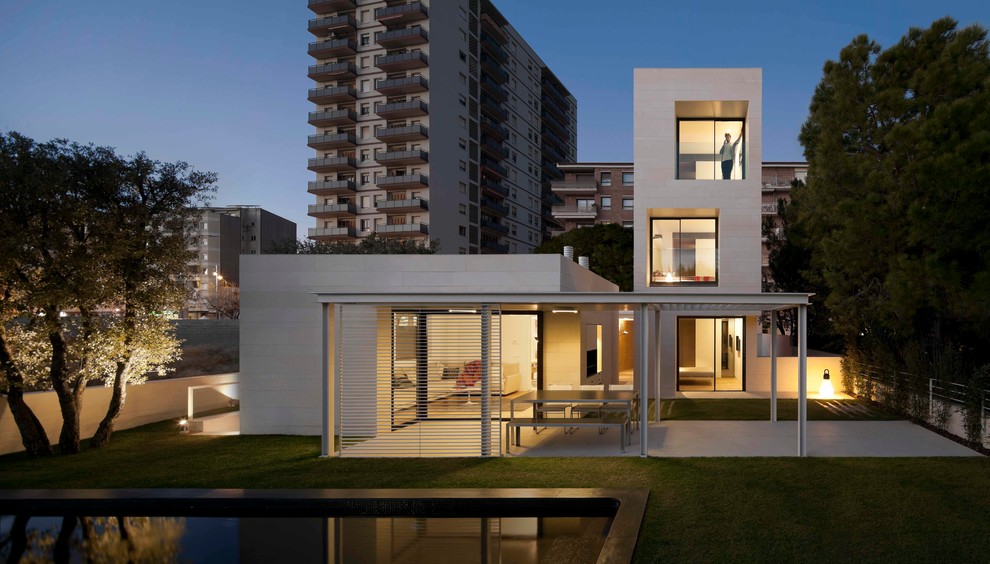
<point>183,425</point>
<point>565,310</point>
<point>826,390</point>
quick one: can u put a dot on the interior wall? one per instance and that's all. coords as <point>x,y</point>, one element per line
<point>518,348</point>
<point>707,333</point>
<point>627,342</point>
<point>561,348</point>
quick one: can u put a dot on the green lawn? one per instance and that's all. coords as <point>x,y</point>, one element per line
<point>759,410</point>
<point>700,509</point>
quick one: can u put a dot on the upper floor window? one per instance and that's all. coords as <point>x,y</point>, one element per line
<point>606,202</point>
<point>683,250</point>
<point>606,179</point>
<point>627,179</point>
<point>710,149</point>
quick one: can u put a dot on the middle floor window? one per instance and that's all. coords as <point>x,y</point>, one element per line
<point>683,250</point>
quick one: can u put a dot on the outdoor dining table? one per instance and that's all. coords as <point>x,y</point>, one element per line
<point>626,397</point>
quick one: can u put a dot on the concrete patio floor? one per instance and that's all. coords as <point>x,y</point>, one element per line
<point>750,438</point>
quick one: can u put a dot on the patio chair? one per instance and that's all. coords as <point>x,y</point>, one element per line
<point>550,408</point>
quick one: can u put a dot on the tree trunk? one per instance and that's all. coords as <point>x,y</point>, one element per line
<point>33,435</point>
<point>105,430</point>
<point>67,392</point>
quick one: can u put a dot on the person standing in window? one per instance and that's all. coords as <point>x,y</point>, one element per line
<point>728,153</point>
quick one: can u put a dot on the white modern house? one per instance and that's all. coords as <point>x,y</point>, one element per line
<point>421,355</point>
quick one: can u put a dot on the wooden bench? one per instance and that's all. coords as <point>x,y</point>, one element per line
<point>620,421</point>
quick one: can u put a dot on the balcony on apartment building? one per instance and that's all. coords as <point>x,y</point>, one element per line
<point>493,226</point>
<point>403,85</point>
<point>493,128</point>
<point>553,152</point>
<point>332,118</point>
<point>549,135</point>
<point>332,94</point>
<point>331,233</point>
<point>402,61</point>
<point>332,48</point>
<point>402,13</point>
<point>398,110</point>
<point>332,187</point>
<point>332,164</point>
<point>576,211</point>
<point>403,181</point>
<point>332,71</point>
<point>493,247</point>
<point>493,187</point>
<point>556,109</point>
<point>494,88</point>
<point>492,167</point>
<point>323,211</point>
<point>402,158</point>
<point>332,141</point>
<point>494,149</point>
<point>492,207</point>
<point>550,168</point>
<point>403,230</point>
<point>322,27</point>
<point>492,107</point>
<point>322,7</point>
<point>410,205</point>
<point>574,187</point>
<point>494,69</point>
<point>492,47</point>
<point>555,125</point>
<point>493,28</point>
<point>405,37</point>
<point>416,132</point>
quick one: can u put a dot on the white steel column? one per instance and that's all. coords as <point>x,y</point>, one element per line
<point>802,380</point>
<point>644,380</point>
<point>773,366</point>
<point>326,444</point>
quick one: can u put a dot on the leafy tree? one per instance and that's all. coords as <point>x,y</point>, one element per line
<point>86,231</point>
<point>226,301</point>
<point>373,245</point>
<point>893,215</point>
<point>609,248</point>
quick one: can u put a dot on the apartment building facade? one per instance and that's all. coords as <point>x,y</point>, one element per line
<point>601,192</point>
<point>593,193</point>
<point>222,235</point>
<point>777,179</point>
<point>433,122</point>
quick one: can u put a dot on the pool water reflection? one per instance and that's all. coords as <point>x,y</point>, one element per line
<point>303,539</point>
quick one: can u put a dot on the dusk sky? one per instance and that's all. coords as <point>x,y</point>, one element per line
<point>222,84</point>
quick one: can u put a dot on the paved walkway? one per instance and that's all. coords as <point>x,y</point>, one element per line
<point>750,438</point>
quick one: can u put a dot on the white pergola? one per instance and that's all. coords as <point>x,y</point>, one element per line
<point>645,304</point>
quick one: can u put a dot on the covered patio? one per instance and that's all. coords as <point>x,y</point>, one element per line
<point>359,376</point>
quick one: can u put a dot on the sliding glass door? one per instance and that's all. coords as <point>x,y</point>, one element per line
<point>710,354</point>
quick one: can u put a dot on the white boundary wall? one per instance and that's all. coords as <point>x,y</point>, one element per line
<point>146,403</point>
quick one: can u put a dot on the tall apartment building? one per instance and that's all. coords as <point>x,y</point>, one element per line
<point>222,235</point>
<point>433,122</point>
<point>593,193</point>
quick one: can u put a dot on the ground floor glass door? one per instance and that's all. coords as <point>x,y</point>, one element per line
<point>710,354</point>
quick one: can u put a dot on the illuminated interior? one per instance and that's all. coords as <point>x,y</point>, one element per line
<point>710,354</point>
<point>683,251</point>
<point>699,149</point>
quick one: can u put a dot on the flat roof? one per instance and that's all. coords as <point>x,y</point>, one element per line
<point>593,300</point>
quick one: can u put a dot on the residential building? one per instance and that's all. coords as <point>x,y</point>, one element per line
<point>600,192</point>
<point>777,179</point>
<point>414,356</point>
<point>222,235</point>
<point>433,121</point>
<point>593,193</point>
